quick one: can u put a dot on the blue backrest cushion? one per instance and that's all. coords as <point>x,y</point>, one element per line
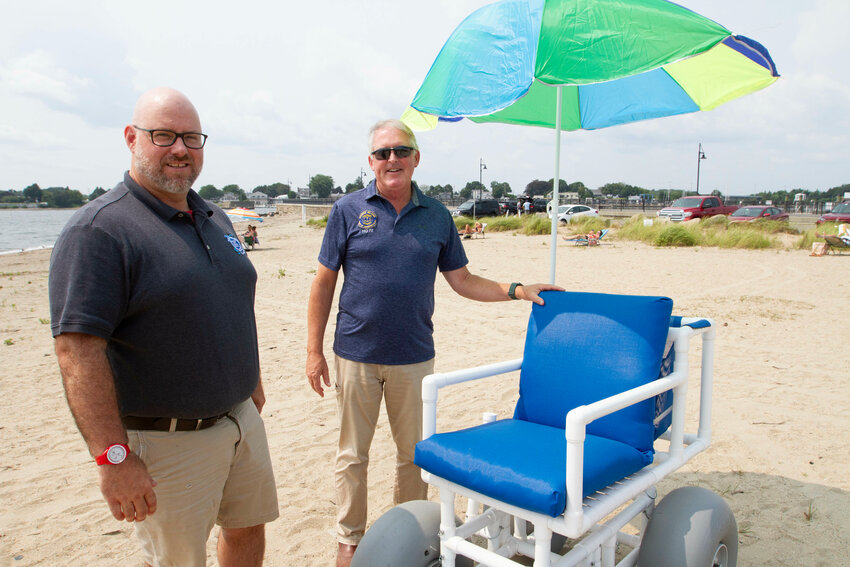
<point>582,347</point>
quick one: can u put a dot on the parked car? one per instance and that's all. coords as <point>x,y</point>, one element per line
<point>758,212</point>
<point>696,207</point>
<point>539,205</point>
<point>482,208</point>
<point>567,212</point>
<point>507,206</point>
<point>839,213</point>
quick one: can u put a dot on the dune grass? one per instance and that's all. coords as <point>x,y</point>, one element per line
<point>318,222</point>
<point>714,231</point>
<point>494,224</point>
<point>526,224</point>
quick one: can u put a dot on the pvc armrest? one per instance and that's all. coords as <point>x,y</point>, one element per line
<point>433,382</point>
<point>441,380</point>
<point>578,418</point>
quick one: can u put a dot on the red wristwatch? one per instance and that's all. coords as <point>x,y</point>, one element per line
<point>114,455</point>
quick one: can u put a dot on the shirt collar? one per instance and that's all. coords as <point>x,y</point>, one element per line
<point>415,196</point>
<point>167,212</point>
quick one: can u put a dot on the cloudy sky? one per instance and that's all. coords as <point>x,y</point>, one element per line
<point>287,90</point>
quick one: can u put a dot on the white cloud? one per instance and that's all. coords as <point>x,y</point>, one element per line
<point>37,74</point>
<point>33,140</point>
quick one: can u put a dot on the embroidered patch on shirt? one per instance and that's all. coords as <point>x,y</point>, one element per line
<point>234,241</point>
<point>367,221</point>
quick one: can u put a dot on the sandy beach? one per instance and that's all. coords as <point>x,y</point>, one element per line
<point>780,450</point>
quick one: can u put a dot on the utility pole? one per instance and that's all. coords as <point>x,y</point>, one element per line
<point>700,157</point>
<point>481,168</point>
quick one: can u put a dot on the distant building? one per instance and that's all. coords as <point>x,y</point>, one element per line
<point>260,199</point>
<point>564,196</point>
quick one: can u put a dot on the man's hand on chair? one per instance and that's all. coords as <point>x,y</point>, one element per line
<point>532,292</point>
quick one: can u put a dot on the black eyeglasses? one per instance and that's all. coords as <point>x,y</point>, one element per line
<point>401,152</point>
<point>165,138</point>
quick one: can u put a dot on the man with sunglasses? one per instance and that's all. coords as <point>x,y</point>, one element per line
<point>152,309</point>
<point>390,239</point>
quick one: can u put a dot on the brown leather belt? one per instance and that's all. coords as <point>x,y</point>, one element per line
<point>169,423</point>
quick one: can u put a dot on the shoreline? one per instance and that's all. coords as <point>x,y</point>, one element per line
<point>25,250</point>
<point>781,410</point>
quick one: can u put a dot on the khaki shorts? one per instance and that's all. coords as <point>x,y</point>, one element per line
<point>218,475</point>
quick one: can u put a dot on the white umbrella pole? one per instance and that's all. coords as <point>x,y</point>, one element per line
<point>556,183</point>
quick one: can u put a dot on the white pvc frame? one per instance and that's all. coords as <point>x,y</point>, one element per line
<point>582,517</point>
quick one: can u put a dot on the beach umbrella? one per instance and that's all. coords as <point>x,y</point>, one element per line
<point>585,64</point>
<point>242,214</point>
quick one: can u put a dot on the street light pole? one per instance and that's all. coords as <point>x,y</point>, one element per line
<point>700,157</point>
<point>481,168</point>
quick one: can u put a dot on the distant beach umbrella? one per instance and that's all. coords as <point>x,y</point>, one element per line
<point>241,214</point>
<point>585,64</point>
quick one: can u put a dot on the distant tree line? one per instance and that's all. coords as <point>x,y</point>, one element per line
<point>323,186</point>
<point>834,195</point>
<point>53,197</point>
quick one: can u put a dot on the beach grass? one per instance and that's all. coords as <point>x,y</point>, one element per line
<point>319,222</point>
<point>714,231</point>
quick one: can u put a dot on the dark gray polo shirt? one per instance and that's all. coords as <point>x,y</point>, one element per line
<point>174,299</point>
<point>389,262</point>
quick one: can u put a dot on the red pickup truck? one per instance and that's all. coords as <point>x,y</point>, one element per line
<point>695,207</point>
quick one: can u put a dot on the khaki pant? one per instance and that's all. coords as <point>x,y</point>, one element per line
<point>359,389</point>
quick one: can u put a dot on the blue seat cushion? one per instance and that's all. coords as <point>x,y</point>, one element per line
<point>583,347</point>
<point>524,463</point>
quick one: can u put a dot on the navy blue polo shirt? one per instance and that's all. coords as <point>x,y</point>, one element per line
<point>389,262</point>
<point>173,297</point>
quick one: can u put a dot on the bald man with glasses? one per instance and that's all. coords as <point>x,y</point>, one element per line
<point>390,239</point>
<point>152,310</point>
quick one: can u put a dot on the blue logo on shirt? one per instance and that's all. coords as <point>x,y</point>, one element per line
<point>367,221</point>
<point>234,241</point>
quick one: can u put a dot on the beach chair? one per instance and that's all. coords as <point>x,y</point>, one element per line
<point>475,232</point>
<point>582,240</point>
<point>835,244</point>
<point>592,433</point>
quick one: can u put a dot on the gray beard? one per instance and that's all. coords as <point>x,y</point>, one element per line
<point>178,186</point>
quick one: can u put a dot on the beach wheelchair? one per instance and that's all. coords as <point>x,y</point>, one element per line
<point>570,479</point>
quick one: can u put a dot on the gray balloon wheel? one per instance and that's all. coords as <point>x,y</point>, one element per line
<point>405,536</point>
<point>691,527</point>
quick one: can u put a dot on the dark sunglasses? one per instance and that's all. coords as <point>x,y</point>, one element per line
<point>401,152</point>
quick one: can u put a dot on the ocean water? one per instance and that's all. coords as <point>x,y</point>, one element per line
<point>23,229</point>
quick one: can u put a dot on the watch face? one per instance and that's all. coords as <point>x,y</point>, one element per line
<point>116,454</point>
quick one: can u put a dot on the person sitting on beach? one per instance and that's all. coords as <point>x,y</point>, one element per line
<point>152,312</point>
<point>843,233</point>
<point>466,232</point>
<point>389,239</point>
<point>479,228</point>
<point>248,236</point>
